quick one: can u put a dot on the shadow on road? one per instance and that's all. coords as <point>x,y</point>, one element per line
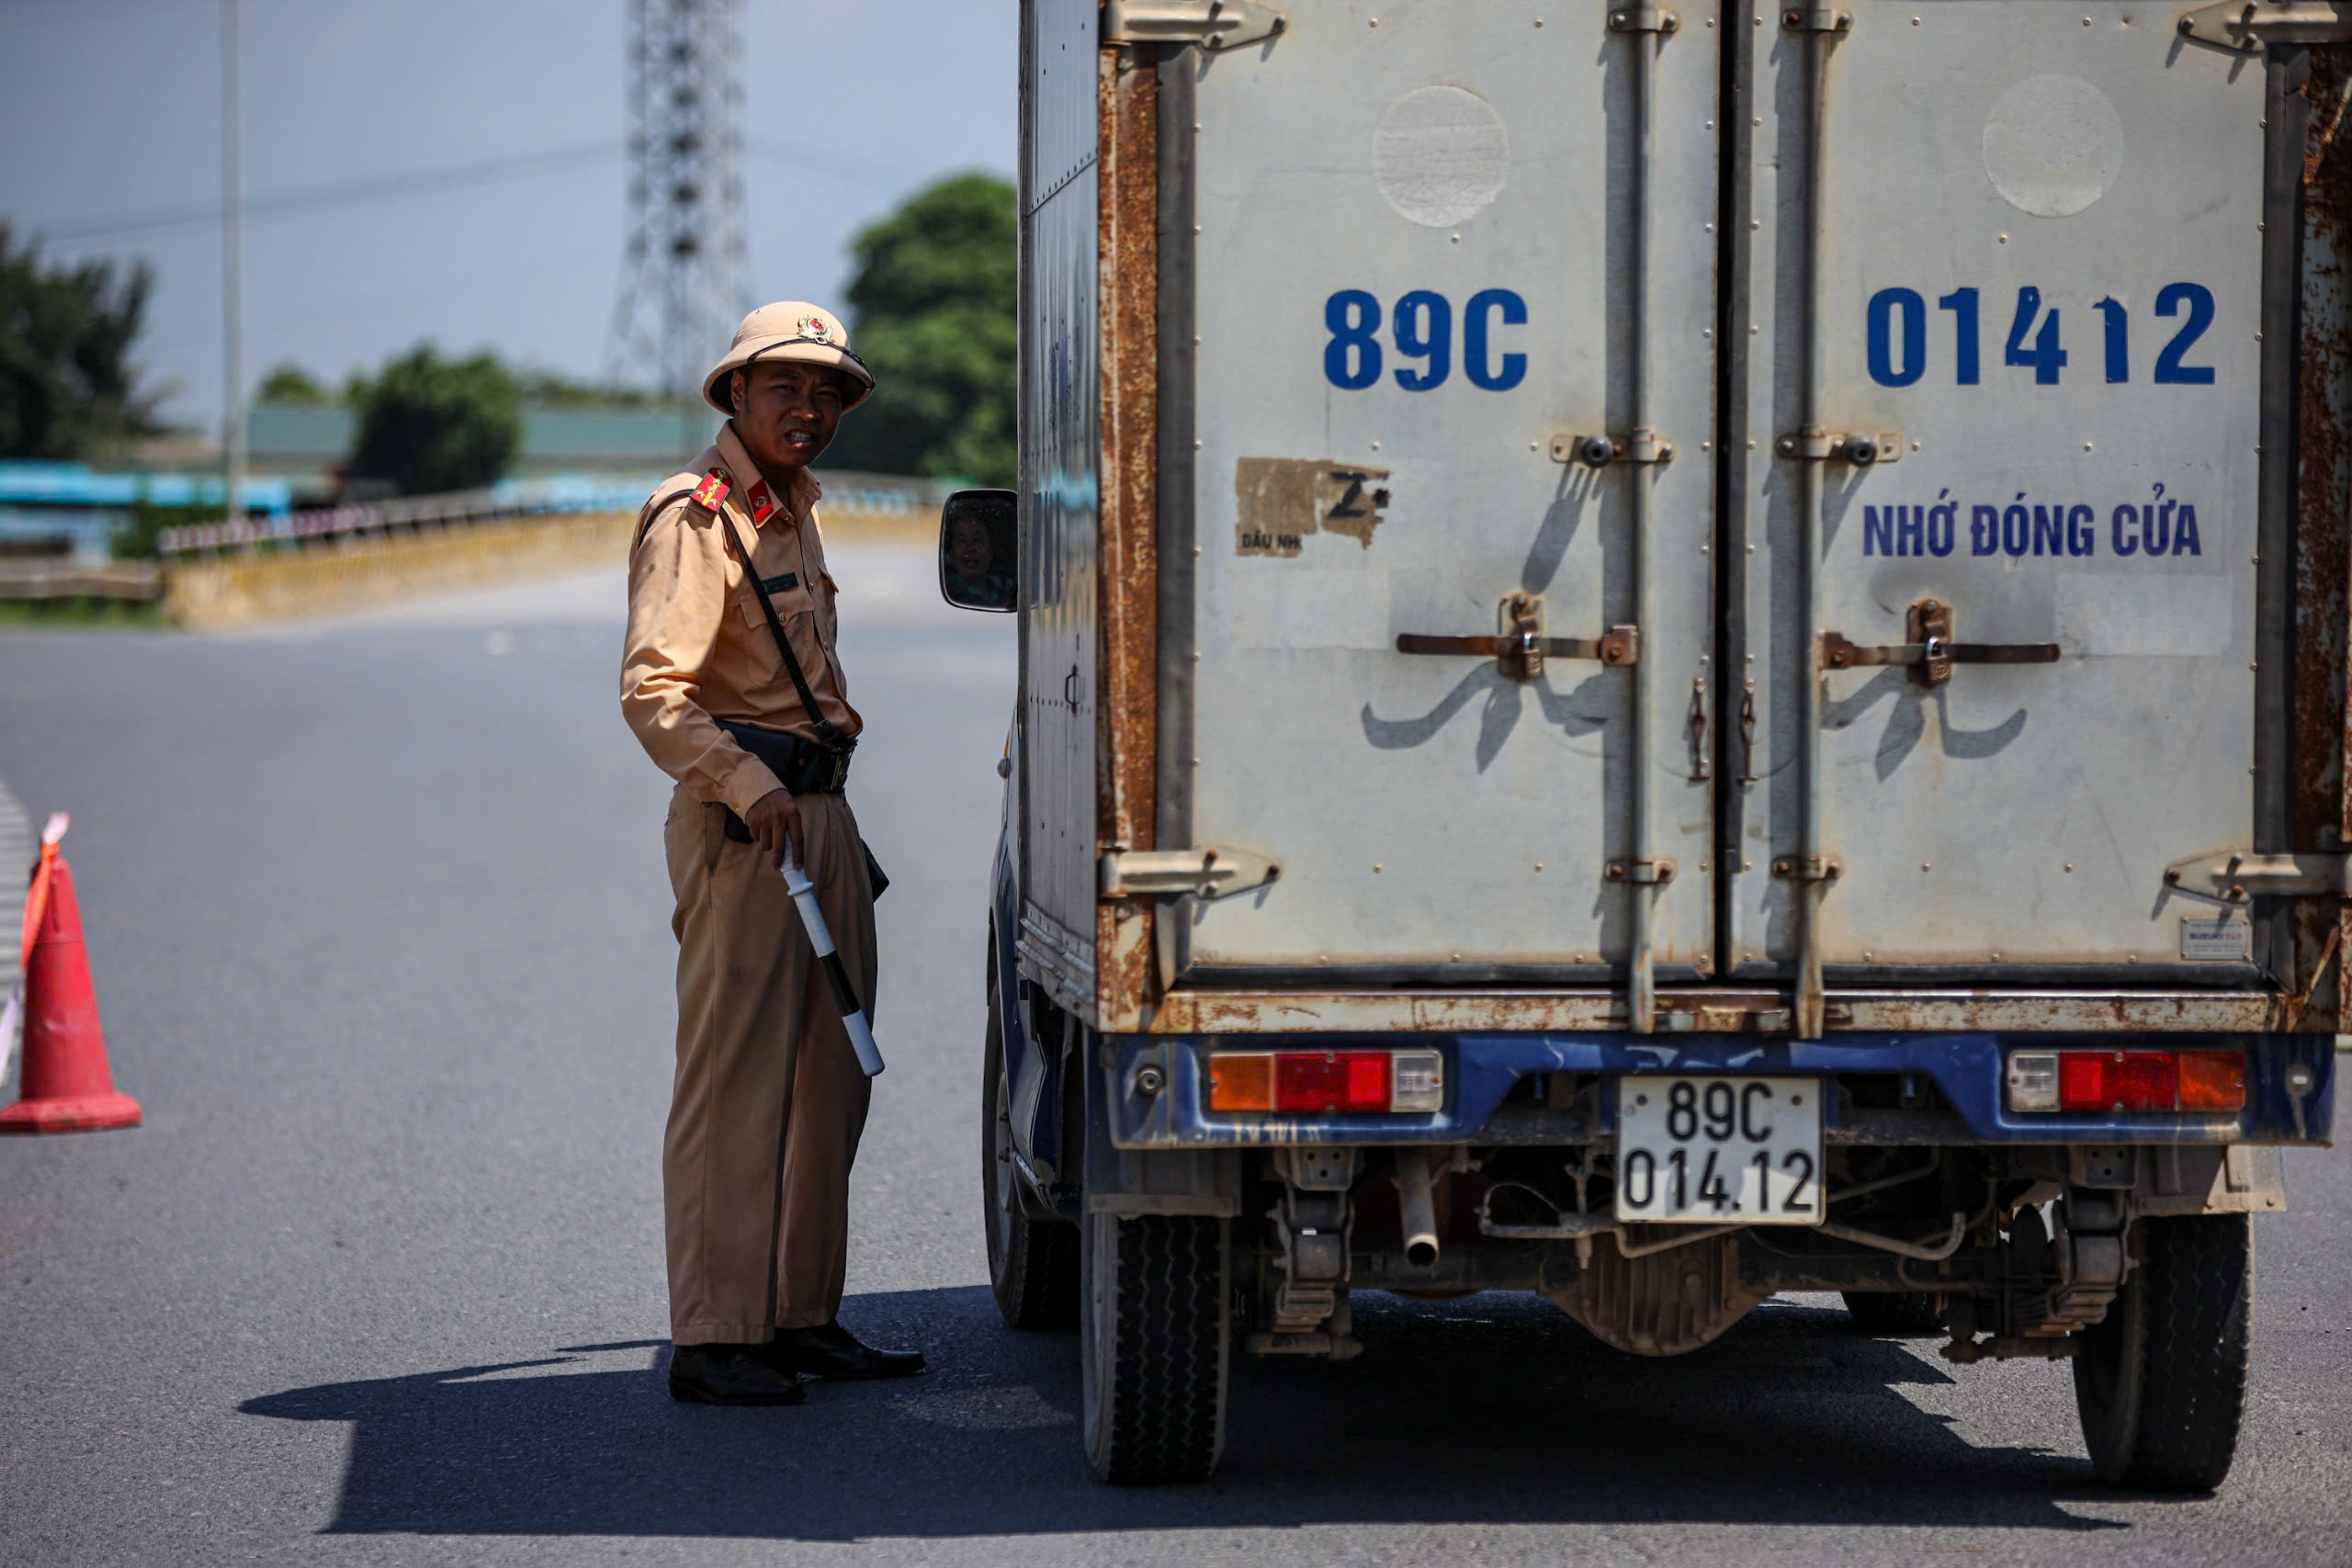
<point>1492,1409</point>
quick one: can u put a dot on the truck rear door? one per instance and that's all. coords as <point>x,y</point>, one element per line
<point>1813,536</point>
<point>2002,372</point>
<point>1452,327</point>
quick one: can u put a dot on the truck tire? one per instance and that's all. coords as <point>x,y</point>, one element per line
<point>1911,1313</point>
<point>1154,1345</point>
<point>1033,1263</point>
<point>2161,1379</point>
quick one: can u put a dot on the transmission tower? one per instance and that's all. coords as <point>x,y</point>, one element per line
<point>685,278</point>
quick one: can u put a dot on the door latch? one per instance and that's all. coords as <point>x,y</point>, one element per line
<point>2249,25</point>
<point>1212,24</point>
<point>1700,769</point>
<point>1747,734</point>
<point>1522,647</point>
<point>2235,875</point>
<point>1211,870</point>
<point>1931,653</point>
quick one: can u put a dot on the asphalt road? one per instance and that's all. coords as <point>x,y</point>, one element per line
<point>379,920</point>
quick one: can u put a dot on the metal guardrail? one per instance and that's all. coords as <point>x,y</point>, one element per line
<point>464,507</point>
<point>854,493</point>
<point>46,581</point>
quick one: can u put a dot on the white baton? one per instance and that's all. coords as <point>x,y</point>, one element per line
<point>821,937</point>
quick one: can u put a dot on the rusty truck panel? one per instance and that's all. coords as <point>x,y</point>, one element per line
<point>1128,96</point>
<point>1060,601</point>
<point>1727,1011</point>
<point>1199,606</point>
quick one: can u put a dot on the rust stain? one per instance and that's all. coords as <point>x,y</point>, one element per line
<point>1596,1011</point>
<point>2320,814</point>
<point>2062,1012</point>
<point>1128,106</point>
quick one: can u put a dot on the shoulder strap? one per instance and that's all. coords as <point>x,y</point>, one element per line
<point>828,733</point>
<point>653,509</point>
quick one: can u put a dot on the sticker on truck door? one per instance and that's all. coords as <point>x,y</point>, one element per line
<point>1280,501</point>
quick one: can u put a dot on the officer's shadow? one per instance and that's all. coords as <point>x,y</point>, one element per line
<point>1578,711</point>
<point>1495,1408</point>
<point>1906,721</point>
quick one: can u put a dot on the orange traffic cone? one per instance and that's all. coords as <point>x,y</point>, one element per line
<point>66,1085</point>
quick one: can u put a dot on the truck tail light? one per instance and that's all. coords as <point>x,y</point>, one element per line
<point>1345,1081</point>
<point>2212,1080</point>
<point>2118,1080</point>
<point>2034,1080</point>
<point>1239,1081</point>
<point>2126,1080</point>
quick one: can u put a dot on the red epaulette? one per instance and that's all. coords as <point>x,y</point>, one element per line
<point>713,489</point>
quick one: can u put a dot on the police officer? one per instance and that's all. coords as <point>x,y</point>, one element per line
<point>730,680</point>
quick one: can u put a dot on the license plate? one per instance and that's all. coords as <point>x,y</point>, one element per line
<point>1742,1151</point>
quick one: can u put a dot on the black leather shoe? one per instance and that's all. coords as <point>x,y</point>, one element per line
<point>833,1351</point>
<point>731,1374</point>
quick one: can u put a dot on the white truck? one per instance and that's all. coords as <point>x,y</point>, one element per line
<point>1669,652</point>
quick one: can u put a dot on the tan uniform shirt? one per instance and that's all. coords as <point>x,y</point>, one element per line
<point>698,649</point>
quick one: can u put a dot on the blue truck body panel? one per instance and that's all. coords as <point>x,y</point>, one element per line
<point>1481,1070</point>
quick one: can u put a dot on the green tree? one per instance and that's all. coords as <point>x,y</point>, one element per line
<point>554,389</point>
<point>67,385</point>
<point>935,301</point>
<point>137,537</point>
<point>290,386</point>
<point>430,425</point>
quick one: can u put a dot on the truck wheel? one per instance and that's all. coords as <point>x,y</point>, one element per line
<point>1033,1263</point>
<point>1911,1313</point>
<point>1153,1346</point>
<point>2161,1379</point>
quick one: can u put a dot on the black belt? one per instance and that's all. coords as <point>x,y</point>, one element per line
<point>803,767</point>
<point>800,766</point>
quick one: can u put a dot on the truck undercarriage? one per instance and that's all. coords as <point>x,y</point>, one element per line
<point>2130,1257</point>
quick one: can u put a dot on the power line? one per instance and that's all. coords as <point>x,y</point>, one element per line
<point>826,165</point>
<point>347,193</point>
<point>831,165</point>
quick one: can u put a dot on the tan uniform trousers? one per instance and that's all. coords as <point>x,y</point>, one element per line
<point>769,1102</point>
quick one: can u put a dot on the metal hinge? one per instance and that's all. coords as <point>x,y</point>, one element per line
<point>1212,871</point>
<point>1211,24</point>
<point>2247,25</point>
<point>1644,446</point>
<point>1642,19</point>
<point>2235,875</point>
<point>1817,19</point>
<point>1859,447</point>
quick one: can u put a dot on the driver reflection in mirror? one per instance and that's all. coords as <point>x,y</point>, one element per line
<point>973,574</point>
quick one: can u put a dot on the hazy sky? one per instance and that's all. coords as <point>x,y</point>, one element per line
<point>110,110</point>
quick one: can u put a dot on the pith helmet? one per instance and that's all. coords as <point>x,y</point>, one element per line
<point>792,329</point>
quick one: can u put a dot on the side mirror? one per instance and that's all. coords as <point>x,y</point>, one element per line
<point>978,547</point>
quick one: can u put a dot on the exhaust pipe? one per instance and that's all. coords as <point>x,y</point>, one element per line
<point>1416,1207</point>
